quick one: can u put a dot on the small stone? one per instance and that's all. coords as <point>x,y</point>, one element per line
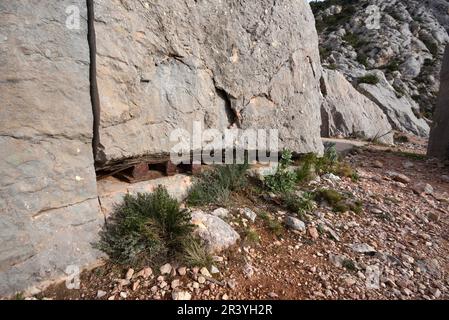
<point>434,216</point>
<point>181,296</point>
<point>111,298</point>
<point>225,297</point>
<point>221,213</point>
<point>436,293</point>
<point>408,165</point>
<point>273,295</point>
<point>399,177</point>
<point>129,274</point>
<point>201,280</point>
<point>313,233</point>
<point>166,268</point>
<point>232,284</point>
<point>423,188</point>
<point>163,284</point>
<point>378,164</point>
<point>336,260</point>
<point>123,295</point>
<point>136,285</point>
<point>147,272</point>
<point>175,283</point>
<point>248,213</point>
<point>248,270</point>
<point>196,285</point>
<point>205,272</point>
<point>214,270</point>
<point>182,271</point>
<point>363,248</point>
<point>154,289</point>
<point>295,223</point>
<point>101,294</point>
<point>445,178</point>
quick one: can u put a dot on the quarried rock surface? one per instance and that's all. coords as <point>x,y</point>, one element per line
<point>251,64</point>
<point>348,113</point>
<point>48,199</point>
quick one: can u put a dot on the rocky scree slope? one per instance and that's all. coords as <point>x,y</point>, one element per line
<point>397,44</point>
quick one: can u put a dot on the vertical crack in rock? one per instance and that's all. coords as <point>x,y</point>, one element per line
<point>94,95</point>
<point>233,115</point>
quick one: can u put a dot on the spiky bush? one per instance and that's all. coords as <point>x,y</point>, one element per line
<point>214,187</point>
<point>146,228</point>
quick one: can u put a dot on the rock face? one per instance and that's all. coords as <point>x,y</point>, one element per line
<point>403,39</point>
<point>48,198</point>
<point>348,113</point>
<point>248,64</point>
<point>439,136</point>
<point>399,110</point>
<point>251,64</point>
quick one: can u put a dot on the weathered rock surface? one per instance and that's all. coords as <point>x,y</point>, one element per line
<point>49,212</point>
<point>217,234</point>
<point>439,136</point>
<point>399,110</point>
<point>348,113</point>
<point>253,64</point>
<point>403,39</point>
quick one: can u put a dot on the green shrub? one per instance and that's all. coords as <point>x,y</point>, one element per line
<point>214,187</point>
<point>393,65</point>
<point>299,204</point>
<point>275,227</point>
<point>354,40</point>
<point>369,79</point>
<point>252,236</point>
<point>284,180</point>
<point>196,254</point>
<point>145,228</point>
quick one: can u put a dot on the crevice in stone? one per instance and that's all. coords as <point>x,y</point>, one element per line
<point>94,95</point>
<point>323,88</point>
<point>233,116</point>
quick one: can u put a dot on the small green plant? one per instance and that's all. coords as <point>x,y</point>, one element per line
<point>252,236</point>
<point>196,254</point>
<point>369,79</point>
<point>299,204</point>
<point>393,65</point>
<point>145,228</point>
<point>216,186</point>
<point>354,40</point>
<point>349,265</point>
<point>284,180</point>
<point>275,227</point>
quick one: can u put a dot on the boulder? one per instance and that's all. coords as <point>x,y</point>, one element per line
<point>250,64</point>
<point>399,109</point>
<point>216,233</point>
<point>49,213</point>
<point>439,136</point>
<point>346,112</point>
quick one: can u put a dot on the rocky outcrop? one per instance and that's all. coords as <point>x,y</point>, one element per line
<point>439,136</point>
<point>49,211</point>
<point>399,110</point>
<point>348,113</point>
<point>250,64</point>
<point>403,39</point>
